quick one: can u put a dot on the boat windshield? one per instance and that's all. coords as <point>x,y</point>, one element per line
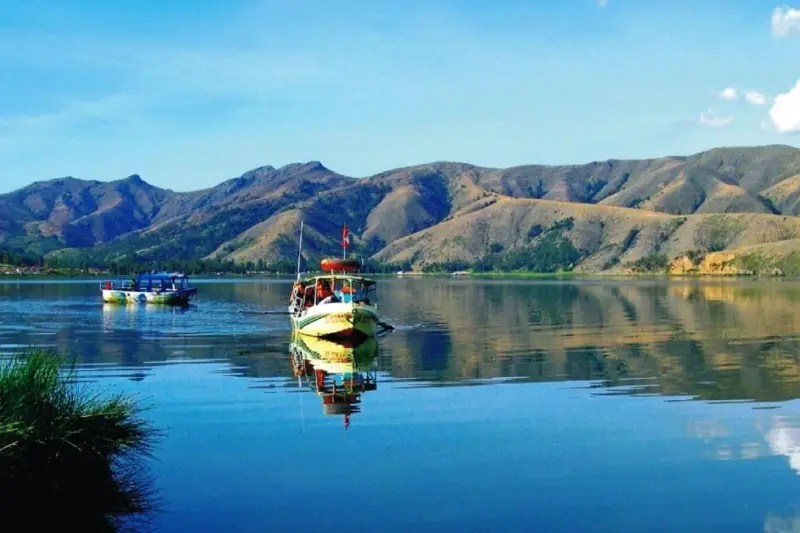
<point>333,289</point>
<point>161,282</point>
<point>164,282</point>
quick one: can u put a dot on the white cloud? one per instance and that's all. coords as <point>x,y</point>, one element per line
<point>785,20</point>
<point>785,113</point>
<point>729,94</point>
<point>602,3</point>
<point>755,98</point>
<point>709,118</point>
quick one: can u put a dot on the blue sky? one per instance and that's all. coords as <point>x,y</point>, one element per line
<point>189,93</point>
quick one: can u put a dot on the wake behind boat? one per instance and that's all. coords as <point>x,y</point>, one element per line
<point>162,288</point>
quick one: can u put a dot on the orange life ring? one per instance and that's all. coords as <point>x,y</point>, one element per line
<point>330,264</point>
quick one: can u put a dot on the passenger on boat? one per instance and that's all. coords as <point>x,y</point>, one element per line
<point>301,294</point>
<point>308,296</point>
<point>297,291</point>
<point>359,294</point>
<point>324,293</point>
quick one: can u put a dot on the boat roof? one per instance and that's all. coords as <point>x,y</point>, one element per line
<point>357,277</point>
<point>161,275</point>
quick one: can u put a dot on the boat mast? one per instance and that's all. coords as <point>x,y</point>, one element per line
<point>299,250</point>
<point>345,240</point>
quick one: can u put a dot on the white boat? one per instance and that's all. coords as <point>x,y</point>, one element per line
<point>163,288</point>
<point>334,304</point>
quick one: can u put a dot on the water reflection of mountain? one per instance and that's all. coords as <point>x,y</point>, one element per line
<point>715,340</point>
<point>126,339</point>
<point>339,372</point>
<point>262,292</point>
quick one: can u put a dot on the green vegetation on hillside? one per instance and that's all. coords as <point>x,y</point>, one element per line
<point>652,263</point>
<point>10,258</point>
<point>551,253</point>
<point>548,251</point>
<point>787,265</point>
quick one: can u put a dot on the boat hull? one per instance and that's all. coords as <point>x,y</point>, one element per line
<point>179,297</point>
<point>337,320</point>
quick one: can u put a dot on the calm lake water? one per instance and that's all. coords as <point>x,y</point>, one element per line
<point>581,405</point>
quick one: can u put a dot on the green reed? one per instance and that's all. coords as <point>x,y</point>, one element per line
<point>69,455</point>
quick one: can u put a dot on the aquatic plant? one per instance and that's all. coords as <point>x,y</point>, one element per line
<point>69,455</point>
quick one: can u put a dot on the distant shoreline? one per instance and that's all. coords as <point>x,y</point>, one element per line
<point>415,275</point>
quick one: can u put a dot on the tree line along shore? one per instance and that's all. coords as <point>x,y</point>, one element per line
<point>556,257</point>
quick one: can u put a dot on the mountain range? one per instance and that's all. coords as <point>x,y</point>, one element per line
<point>599,216</point>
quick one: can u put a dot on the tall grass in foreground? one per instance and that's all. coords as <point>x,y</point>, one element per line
<point>68,456</point>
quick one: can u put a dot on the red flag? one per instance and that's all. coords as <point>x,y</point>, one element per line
<point>345,236</point>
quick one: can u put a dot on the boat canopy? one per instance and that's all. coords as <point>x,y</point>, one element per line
<point>162,280</point>
<point>369,283</point>
<point>342,288</point>
<point>161,276</point>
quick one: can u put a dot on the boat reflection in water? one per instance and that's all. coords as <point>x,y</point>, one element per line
<point>338,371</point>
<point>138,316</point>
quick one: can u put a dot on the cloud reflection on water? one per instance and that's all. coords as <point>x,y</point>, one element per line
<point>784,439</point>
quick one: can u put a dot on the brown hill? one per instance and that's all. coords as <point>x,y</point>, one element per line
<point>607,238</point>
<point>677,185</point>
<point>72,212</point>
<point>611,213</point>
